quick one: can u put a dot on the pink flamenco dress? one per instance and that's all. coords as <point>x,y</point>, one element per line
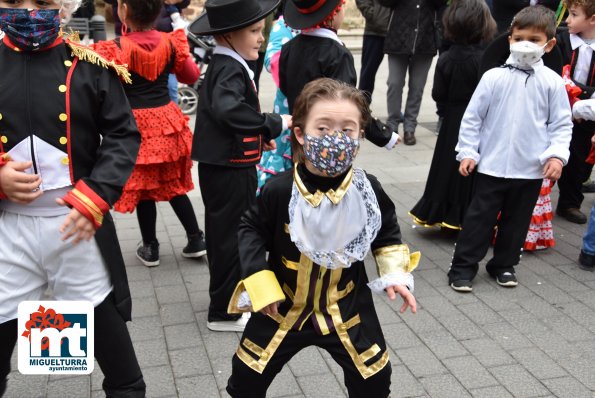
<point>163,166</point>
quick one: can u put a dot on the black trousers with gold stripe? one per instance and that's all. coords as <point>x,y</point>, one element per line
<point>244,382</point>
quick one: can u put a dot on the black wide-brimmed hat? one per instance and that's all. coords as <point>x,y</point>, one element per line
<point>304,14</point>
<point>222,16</point>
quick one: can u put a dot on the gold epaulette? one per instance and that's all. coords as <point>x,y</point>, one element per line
<point>86,54</point>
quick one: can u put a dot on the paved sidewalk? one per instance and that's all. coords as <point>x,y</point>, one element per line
<point>537,340</point>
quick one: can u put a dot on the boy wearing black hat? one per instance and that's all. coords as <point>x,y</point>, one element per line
<point>317,52</point>
<point>230,135</point>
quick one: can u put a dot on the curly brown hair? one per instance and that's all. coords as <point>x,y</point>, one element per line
<point>587,5</point>
<point>324,89</point>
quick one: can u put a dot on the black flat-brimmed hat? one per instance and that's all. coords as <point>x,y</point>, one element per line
<point>304,14</point>
<point>222,16</point>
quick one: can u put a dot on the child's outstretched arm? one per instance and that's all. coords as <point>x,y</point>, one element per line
<point>258,289</point>
<point>393,259</point>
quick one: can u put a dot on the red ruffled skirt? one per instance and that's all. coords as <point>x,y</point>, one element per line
<point>163,166</point>
<point>541,234</point>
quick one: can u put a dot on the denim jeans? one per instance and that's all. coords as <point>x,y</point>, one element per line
<point>589,238</point>
<point>172,87</point>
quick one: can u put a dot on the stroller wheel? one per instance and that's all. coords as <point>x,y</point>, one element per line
<point>187,99</point>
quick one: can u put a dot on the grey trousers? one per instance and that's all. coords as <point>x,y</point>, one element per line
<point>418,66</point>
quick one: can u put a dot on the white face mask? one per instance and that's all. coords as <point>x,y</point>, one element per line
<point>526,53</point>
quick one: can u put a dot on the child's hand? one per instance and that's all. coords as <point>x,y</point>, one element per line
<point>271,309</point>
<point>269,146</point>
<point>593,139</point>
<point>76,225</point>
<point>288,119</point>
<point>553,169</point>
<point>18,186</point>
<point>466,167</point>
<point>408,298</point>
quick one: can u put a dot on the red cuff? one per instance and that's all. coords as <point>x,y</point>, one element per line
<point>4,158</point>
<point>87,202</point>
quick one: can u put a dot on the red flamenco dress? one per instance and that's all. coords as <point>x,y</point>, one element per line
<point>541,234</point>
<point>163,166</point>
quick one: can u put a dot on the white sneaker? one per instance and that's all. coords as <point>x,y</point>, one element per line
<point>230,326</point>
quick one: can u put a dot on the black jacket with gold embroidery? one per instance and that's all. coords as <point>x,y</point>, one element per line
<point>334,301</point>
<point>71,118</point>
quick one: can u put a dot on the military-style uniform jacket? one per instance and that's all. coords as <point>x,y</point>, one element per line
<point>230,129</point>
<point>333,301</point>
<point>306,58</point>
<point>63,109</point>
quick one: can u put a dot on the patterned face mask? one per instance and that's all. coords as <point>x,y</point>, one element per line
<point>30,29</point>
<point>332,153</point>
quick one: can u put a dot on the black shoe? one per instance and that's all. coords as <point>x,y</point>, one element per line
<point>148,254</point>
<point>463,286</point>
<point>196,246</point>
<point>409,138</point>
<point>586,261</point>
<point>573,215</point>
<point>507,279</point>
<point>588,187</point>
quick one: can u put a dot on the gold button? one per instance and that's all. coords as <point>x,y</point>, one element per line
<point>63,140</point>
<point>62,88</point>
<point>63,117</point>
<point>4,139</point>
<point>68,63</point>
<point>0,116</point>
<point>264,356</point>
<point>65,160</point>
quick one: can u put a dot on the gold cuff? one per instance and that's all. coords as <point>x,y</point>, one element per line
<point>395,258</point>
<point>263,289</point>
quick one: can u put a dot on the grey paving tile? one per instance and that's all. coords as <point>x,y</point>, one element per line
<point>567,327</point>
<point>479,313</point>
<point>320,386</point>
<point>151,353</point>
<point>404,384</point>
<point>421,361</point>
<point>308,362</point>
<point>582,314</point>
<point>567,387</point>
<point>145,328</point>
<point>469,372</point>
<point>191,361</point>
<point>488,352</point>
<point>176,313</point>
<point>444,386</point>
<point>73,387</point>
<point>159,381</point>
<point>141,289</point>
<point>166,277</point>
<point>518,381</point>
<point>284,384</point>
<point>220,344</point>
<point>171,294</point>
<point>538,363</point>
<point>399,336</point>
<point>507,336</point>
<point>581,369</point>
<point>144,307</point>
<point>443,345</point>
<point>490,392</point>
<point>197,386</point>
<point>182,336</point>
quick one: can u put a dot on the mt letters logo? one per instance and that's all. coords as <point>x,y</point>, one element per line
<point>56,337</point>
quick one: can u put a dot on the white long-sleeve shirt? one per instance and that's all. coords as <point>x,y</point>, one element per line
<point>584,109</point>
<point>515,122</point>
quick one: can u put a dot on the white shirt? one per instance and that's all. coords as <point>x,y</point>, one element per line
<point>582,69</point>
<point>515,122</point>
<point>584,109</point>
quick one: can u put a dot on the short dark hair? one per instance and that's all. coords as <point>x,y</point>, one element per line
<point>588,6</point>
<point>468,22</point>
<point>536,17</point>
<point>144,13</point>
<point>324,89</point>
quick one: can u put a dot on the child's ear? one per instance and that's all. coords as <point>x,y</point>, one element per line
<point>550,45</point>
<point>299,135</point>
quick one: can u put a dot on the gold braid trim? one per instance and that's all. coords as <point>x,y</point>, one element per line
<point>86,54</point>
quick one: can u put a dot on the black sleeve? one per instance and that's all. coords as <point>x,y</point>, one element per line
<point>440,86</point>
<point>255,234</point>
<point>378,133</point>
<point>390,231</point>
<point>231,108</point>
<point>389,3</point>
<point>120,139</point>
<point>340,67</point>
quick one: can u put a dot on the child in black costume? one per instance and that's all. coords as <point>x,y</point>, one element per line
<point>313,289</point>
